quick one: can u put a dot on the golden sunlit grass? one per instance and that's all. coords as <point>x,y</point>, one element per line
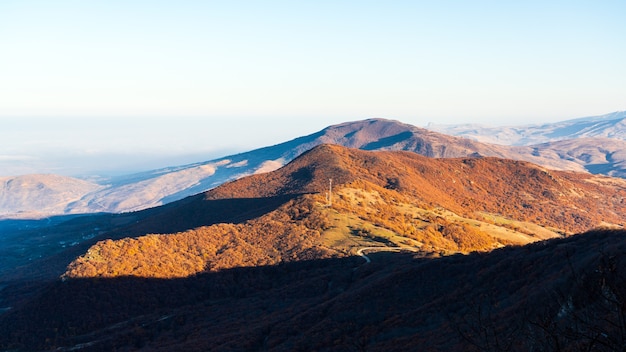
<point>359,215</point>
<point>348,233</point>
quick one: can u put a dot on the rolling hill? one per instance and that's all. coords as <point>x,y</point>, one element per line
<point>597,155</point>
<point>32,196</point>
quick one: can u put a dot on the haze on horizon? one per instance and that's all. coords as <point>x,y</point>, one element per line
<point>113,87</point>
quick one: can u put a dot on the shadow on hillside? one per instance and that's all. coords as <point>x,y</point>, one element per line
<point>38,249</point>
<point>76,311</point>
<point>196,211</point>
<point>26,242</point>
<point>387,141</point>
<point>396,302</point>
<point>601,169</point>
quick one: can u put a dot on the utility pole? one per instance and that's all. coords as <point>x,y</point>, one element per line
<point>329,196</point>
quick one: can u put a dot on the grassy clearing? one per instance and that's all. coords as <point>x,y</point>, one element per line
<point>348,233</point>
<point>353,223</point>
<point>532,231</point>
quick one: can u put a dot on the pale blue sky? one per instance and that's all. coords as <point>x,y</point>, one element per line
<point>274,70</point>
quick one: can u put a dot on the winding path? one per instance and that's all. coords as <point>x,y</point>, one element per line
<point>382,249</point>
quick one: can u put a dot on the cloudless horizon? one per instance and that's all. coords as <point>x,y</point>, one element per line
<point>113,87</point>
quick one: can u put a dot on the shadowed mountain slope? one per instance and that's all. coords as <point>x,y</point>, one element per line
<point>561,295</point>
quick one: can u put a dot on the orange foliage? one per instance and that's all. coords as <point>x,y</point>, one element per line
<point>569,202</point>
<point>280,236</point>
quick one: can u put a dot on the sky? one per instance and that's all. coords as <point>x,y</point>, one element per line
<point>120,86</point>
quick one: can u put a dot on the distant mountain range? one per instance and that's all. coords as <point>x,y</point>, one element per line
<point>577,145</point>
<point>611,125</point>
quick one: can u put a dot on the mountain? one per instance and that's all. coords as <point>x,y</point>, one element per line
<point>597,155</point>
<point>611,125</point>
<point>25,243</point>
<point>283,261</point>
<point>394,197</point>
<point>41,195</point>
<point>149,189</point>
<point>596,143</point>
<point>398,199</point>
<point>157,187</point>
